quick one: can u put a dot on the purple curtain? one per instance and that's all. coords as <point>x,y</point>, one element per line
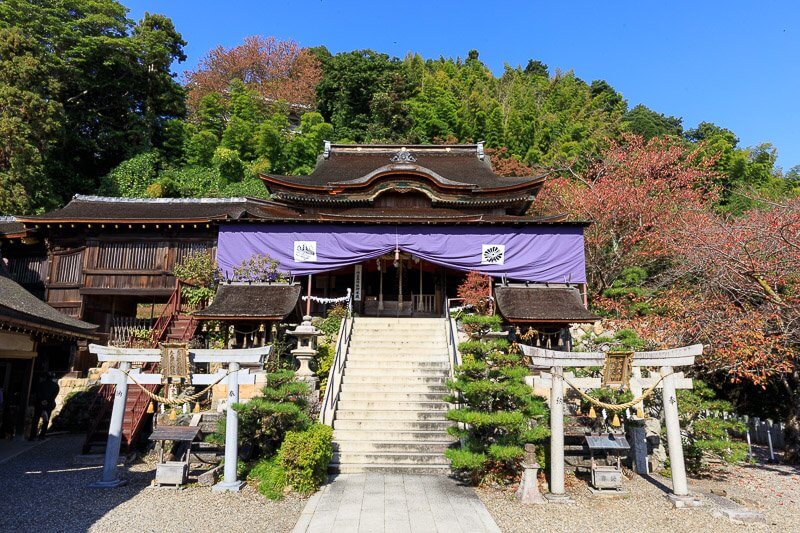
<point>542,253</point>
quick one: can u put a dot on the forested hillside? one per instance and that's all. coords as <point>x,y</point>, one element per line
<point>695,238</point>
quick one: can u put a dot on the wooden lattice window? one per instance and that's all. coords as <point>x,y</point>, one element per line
<point>142,255</point>
<point>28,270</point>
<point>67,268</point>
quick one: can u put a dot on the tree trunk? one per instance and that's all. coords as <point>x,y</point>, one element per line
<point>791,433</point>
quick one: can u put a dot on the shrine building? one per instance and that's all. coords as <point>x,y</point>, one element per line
<point>398,225</point>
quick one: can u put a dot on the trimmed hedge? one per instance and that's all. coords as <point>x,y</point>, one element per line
<point>304,457</point>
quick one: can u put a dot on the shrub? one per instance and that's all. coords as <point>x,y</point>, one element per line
<point>265,419</point>
<point>707,435</point>
<point>480,324</point>
<point>269,476</point>
<point>258,268</point>
<point>305,456</point>
<point>229,164</point>
<point>497,412</point>
<point>133,176</point>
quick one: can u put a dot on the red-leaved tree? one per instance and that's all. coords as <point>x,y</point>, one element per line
<point>632,196</point>
<point>277,70</point>
<point>745,305</point>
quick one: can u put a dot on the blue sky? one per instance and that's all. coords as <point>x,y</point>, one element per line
<point>734,63</point>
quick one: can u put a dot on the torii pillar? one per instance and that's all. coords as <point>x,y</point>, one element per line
<point>121,379</point>
<point>666,360</point>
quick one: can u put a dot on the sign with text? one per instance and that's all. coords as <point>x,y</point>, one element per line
<point>305,251</point>
<point>357,283</point>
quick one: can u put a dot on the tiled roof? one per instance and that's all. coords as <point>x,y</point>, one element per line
<point>256,300</point>
<point>11,226</point>
<point>519,303</point>
<point>21,309</point>
<point>111,209</point>
<point>453,166</point>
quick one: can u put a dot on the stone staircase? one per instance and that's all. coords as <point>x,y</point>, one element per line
<point>390,416</point>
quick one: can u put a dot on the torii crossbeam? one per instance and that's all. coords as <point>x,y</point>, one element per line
<point>665,360</point>
<point>122,377</point>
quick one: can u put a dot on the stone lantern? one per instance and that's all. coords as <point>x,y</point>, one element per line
<point>306,350</point>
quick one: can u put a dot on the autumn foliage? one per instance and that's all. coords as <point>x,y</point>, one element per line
<point>277,70</point>
<point>632,196</point>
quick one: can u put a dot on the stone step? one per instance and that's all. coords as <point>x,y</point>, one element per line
<point>389,373</point>
<point>353,446</point>
<point>415,470</point>
<point>432,356</point>
<point>404,388</point>
<point>382,405</point>
<point>392,458</point>
<point>398,364</point>
<point>390,435</point>
<point>391,425</point>
<point>387,396</point>
<point>397,320</point>
<point>375,414</point>
<point>416,335</point>
<point>374,341</point>
<point>399,330</point>
<point>398,380</point>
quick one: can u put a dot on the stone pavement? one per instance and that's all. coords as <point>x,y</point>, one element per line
<point>396,503</point>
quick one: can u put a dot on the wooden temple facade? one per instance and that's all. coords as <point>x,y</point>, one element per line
<point>109,261</point>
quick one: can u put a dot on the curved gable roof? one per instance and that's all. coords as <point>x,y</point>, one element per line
<point>454,166</point>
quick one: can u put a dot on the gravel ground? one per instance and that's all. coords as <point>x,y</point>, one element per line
<point>772,490</point>
<point>44,489</point>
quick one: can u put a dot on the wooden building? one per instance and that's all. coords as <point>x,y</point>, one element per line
<point>421,215</point>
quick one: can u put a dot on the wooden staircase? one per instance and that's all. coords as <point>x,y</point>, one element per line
<point>175,324</point>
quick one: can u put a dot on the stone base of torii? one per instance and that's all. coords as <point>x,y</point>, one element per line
<point>121,378</point>
<point>664,360</point>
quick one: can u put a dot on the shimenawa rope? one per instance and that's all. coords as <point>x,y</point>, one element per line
<point>176,401</point>
<point>618,406</point>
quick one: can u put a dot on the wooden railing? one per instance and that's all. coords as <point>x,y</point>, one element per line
<point>167,314</point>
<point>423,302</point>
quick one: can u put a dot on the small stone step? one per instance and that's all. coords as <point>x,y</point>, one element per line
<point>397,435</point>
<point>396,406</point>
<point>394,458</point>
<point>399,364</point>
<point>391,446</point>
<point>396,380</point>
<point>408,388</point>
<point>389,373</point>
<point>396,355</point>
<point>393,424</point>
<point>374,414</point>
<point>387,396</point>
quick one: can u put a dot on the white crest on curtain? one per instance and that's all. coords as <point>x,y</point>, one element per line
<point>493,254</point>
<point>305,251</point>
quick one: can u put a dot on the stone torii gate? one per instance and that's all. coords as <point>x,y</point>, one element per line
<point>666,379</point>
<point>124,376</point>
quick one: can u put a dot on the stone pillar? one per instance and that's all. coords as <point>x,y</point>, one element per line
<point>110,477</point>
<point>679,484</point>
<point>230,483</point>
<point>557,433</point>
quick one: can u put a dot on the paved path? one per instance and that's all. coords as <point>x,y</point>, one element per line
<point>373,502</point>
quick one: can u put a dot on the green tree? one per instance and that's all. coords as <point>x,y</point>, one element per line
<point>29,123</point>
<point>645,122</point>
<point>361,94</point>
<point>110,76</point>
